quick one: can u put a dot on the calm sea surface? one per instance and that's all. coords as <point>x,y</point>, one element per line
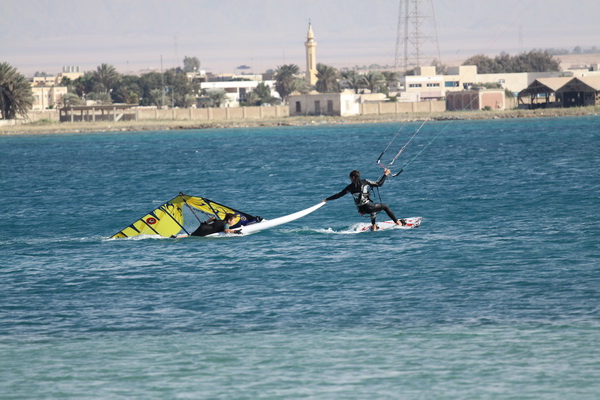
<point>495,296</point>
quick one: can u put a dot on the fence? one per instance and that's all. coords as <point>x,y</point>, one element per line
<point>100,113</point>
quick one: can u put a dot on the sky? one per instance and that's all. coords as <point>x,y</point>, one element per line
<point>133,35</point>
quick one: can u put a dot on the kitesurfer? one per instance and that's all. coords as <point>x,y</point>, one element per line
<point>360,191</point>
<point>213,225</point>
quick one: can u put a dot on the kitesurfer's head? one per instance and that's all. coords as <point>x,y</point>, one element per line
<point>355,176</point>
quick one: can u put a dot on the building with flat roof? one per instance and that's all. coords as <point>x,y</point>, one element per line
<point>427,85</point>
<point>340,104</point>
<point>237,91</point>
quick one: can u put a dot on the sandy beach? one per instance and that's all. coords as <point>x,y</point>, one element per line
<point>162,125</point>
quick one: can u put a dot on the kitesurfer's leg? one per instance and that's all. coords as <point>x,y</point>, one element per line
<point>377,207</point>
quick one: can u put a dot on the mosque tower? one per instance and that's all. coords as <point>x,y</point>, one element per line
<point>311,56</point>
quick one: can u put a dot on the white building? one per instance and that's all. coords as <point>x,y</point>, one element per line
<point>427,85</point>
<point>237,90</point>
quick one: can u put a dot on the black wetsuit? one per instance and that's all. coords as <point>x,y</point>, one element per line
<point>360,192</point>
<point>206,228</point>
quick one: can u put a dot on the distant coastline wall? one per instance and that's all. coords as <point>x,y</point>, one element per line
<point>402,107</point>
<point>225,114</point>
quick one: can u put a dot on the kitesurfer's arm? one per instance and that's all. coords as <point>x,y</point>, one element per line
<point>381,180</point>
<point>337,195</point>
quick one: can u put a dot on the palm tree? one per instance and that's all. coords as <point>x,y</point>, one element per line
<point>263,91</point>
<point>353,79</point>
<point>284,79</point>
<point>253,99</point>
<point>217,97</point>
<point>373,81</point>
<point>390,77</point>
<point>327,79</point>
<point>16,96</point>
<point>107,76</point>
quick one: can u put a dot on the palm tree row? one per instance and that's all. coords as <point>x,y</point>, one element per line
<point>107,85</point>
<point>330,80</point>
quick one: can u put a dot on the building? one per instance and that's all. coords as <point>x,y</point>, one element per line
<point>311,57</point>
<point>561,92</point>
<point>476,100</point>
<point>47,93</point>
<point>580,92</point>
<point>237,90</point>
<point>427,85</point>
<point>541,93</point>
<point>340,104</point>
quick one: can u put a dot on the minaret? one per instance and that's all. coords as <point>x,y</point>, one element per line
<point>311,56</point>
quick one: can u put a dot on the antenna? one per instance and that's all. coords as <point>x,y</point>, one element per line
<point>416,33</point>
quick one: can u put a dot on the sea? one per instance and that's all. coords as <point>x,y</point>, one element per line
<point>495,296</point>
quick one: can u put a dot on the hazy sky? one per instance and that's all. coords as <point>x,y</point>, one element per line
<point>44,35</point>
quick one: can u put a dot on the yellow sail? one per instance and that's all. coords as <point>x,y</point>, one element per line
<point>167,219</point>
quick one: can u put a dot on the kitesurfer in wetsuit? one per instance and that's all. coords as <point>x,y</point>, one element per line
<point>360,191</point>
<point>213,225</point>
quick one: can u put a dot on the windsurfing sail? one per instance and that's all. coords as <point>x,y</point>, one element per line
<point>168,219</point>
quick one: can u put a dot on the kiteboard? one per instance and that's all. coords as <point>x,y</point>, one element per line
<point>413,222</point>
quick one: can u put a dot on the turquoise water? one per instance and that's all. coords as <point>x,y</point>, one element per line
<point>495,296</point>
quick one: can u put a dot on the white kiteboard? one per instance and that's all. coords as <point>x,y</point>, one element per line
<point>271,223</point>
<point>413,222</point>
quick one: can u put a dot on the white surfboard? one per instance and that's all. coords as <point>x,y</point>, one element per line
<point>413,222</point>
<point>271,223</point>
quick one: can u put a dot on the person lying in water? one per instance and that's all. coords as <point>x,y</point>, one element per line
<point>360,191</point>
<point>213,225</point>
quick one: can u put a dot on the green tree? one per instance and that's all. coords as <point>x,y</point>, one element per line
<point>71,99</point>
<point>327,79</point>
<point>127,90</point>
<point>260,95</point>
<point>252,99</point>
<point>390,78</point>
<point>217,97</point>
<point>155,97</point>
<point>151,85</point>
<point>191,64</point>
<point>485,65</point>
<point>533,61</point>
<point>107,76</point>
<point>177,87</point>
<point>285,80</point>
<point>84,84</point>
<point>16,97</point>
<point>353,79</point>
<point>373,81</point>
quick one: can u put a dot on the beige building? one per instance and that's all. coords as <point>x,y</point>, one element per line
<point>342,104</point>
<point>47,94</point>
<point>427,85</point>
<point>476,100</point>
<point>311,56</point>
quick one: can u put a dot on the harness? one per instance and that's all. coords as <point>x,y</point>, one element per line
<point>362,197</point>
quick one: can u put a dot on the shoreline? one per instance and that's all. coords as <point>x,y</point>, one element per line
<point>165,125</point>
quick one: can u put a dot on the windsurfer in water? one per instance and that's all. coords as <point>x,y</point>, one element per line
<point>213,225</point>
<point>360,191</point>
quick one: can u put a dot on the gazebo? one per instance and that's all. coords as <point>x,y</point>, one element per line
<point>113,112</point>
<point>581,91</point>
<point>542,92</point>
